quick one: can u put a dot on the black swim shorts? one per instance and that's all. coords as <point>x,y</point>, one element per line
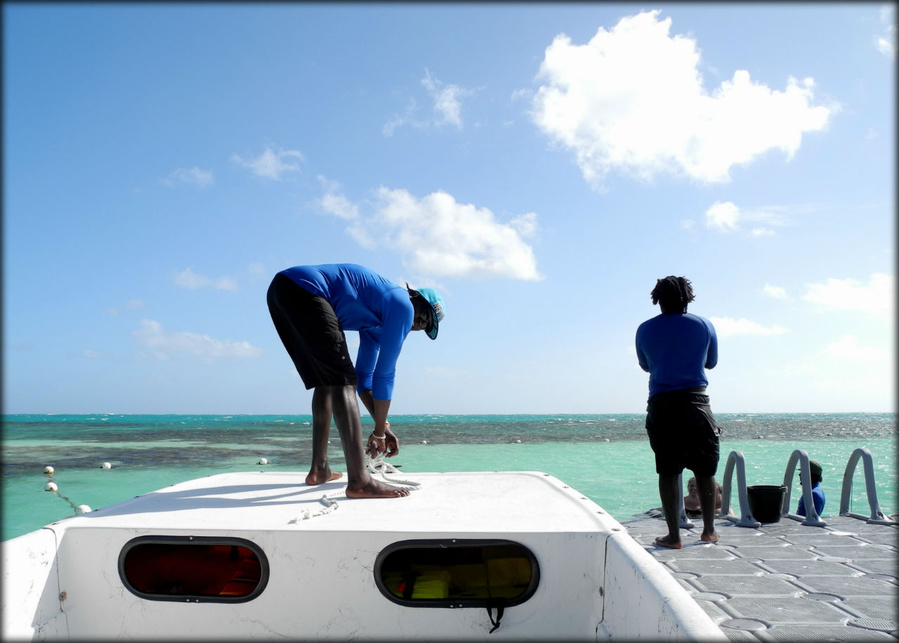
<point>683,433</point>
<point>311,333</point>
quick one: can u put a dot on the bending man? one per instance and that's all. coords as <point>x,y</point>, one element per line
<point>311,307</point>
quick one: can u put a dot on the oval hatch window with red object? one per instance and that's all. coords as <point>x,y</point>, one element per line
<point>193,568</point>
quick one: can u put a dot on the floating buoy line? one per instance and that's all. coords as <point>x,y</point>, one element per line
<point>52,487</point>
<point>376,466</point>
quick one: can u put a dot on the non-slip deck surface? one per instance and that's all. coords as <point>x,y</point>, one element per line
<point>785,581</point>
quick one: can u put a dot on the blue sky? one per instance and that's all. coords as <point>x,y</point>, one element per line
<point>541,165</point>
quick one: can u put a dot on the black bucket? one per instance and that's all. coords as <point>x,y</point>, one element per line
<point>765,501</point>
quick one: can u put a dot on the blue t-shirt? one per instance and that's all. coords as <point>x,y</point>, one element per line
<point>817,499</point>
<point>367,302</point>
<point>675,349</point>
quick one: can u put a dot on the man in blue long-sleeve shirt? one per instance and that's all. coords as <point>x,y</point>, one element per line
<point>675,348</point>
<point>311,307</point>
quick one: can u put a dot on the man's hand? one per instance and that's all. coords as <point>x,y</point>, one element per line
<point>389,444</point>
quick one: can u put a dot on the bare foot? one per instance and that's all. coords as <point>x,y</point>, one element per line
<point>709,538</point>
<point>664,541</point>
<point>375,489</point>
<point>317,477</point>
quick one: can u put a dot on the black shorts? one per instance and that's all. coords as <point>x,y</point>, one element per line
<point>683,433</point>
<point>311,333</point>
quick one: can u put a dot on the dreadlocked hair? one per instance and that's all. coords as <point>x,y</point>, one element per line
<point>674,293</point>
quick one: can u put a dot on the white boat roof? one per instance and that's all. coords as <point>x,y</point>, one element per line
<point>463,503</point>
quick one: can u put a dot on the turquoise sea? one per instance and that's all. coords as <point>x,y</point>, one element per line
<point>606,457</point>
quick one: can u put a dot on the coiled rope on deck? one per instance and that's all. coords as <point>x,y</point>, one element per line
<point>377,467</point>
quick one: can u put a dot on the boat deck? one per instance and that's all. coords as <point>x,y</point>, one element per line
<point>785,581</point>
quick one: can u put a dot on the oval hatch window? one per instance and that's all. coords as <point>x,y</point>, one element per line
<point>457,573</point>
<point>193,568</point>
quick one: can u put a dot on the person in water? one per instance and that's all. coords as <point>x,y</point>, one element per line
<point>311,307</point>
<point>692,505</point>
<point>676,348</point>
<point>815,472</point>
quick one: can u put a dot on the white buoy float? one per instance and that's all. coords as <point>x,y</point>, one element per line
<point>49,470</point>
<point>83,509</point>
<point>51,486</point>
<point>424,441</point>
<point>517,441</point>
<point>262,461</point>
<point>106,465</point>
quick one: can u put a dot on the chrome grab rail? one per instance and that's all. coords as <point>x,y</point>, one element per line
<point>811,516</point>
<point>684,522</point>
<point>745,520</point>
<point>799,456</point>
<point>877,516</point>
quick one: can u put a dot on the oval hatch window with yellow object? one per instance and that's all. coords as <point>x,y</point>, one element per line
<point>197,569</point>
<point>457,573</point>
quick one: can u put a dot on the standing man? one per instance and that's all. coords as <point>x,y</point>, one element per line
<point>311,307</point>
<point>675,348</point>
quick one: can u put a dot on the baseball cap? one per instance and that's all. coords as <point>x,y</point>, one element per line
<point>438,309</point>
<point>814,468</point>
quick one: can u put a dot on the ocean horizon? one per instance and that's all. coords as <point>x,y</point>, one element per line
<point>605,456</point>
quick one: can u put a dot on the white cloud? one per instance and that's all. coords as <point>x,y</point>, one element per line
<point>877,298</point>
<point>407,117</point>
<point>729,327</point>
<point>886,43</point>
<point>189,176</point>
<point>132,304</point>
<point>256,269</point>
<point>722,216</point>
<point>447,100</point>
<point>89,353</point>
<point>271,164</point>
<point>334,202</point>
<point>632,99</point>
<point>847,348</point>
<point>339,206</point>
<point>446,105</point>
<point>437,236</point>
<point>187,278</point>
<point>163,344</point>
<point>775,292</point>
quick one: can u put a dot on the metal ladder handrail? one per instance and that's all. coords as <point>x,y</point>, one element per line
<point>811,517</point>
<point>683,521</point>
<point>746,519</point>
<point>877,517</point>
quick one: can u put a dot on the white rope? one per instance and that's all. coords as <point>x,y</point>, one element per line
<point>377,465</point>
<point>329,503</point>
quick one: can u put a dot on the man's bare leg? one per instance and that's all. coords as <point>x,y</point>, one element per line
<point>670,494</point>
<point>322,409</point>
<point>360,484</point>
<point>707,492</point>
